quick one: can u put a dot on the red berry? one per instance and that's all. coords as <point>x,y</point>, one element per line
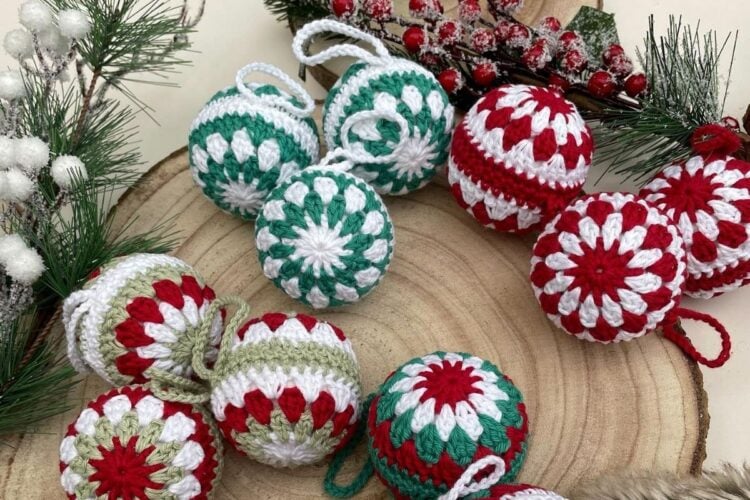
<point>636,84</point>
<point>573,61</point>
<point>621,65</point>
<point>425,9</point>
<point>506,6</point>
<point>429,57</point>
<point>451,79</point>
<point>538,55</point>
<point>729,122</point>
<point>449,32</point>
<point>484,73</point>
<point>378,10</point>
<point>483,40</point>
<point>550,24</point>
<point>519,36</point>
<point>414,38</point>
<point>469,10</point>
<point>612,51</point>
<point>559,82</point>
<point>343,8</point>
<point>569,40</point>
<point>502,30</point>
<point>602,84</point>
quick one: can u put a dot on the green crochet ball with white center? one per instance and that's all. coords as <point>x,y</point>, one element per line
<point>250,137</point>
<point>324,237</point>
<point>409,121</point>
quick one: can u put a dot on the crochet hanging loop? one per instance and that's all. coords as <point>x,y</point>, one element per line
<point>674,333</point>
<point>303,39</point>
<point>467,486</point>
<point>303,111</point>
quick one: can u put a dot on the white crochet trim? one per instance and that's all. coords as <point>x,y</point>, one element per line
<point>304,135</point>
<point>465,485</point>
<point>84,311</point>
<point>519,159</point>
<point>532,494</point>
<point>498,208</point>
<point>305,35</point>
<point>272,381</point>
<point>278,101</point>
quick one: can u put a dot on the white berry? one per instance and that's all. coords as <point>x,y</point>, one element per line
<point>54,41</point>
<point>21,263</point>
<point>73,23</point>
<point>18,186</point>
<point>31,154</point>
<point>11,85</point>
<point>35,16</point>
<point>10,245</point>
<point>19,44</point>
<point>65,169</point>
<point>7,152</point>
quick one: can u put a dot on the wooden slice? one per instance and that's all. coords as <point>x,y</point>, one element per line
<point>453,285</point>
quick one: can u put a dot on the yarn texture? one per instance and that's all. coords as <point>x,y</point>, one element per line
<point>520,492</point>
<point>408,135</point>
<point>286,390</point>
<point>248,138</point>
<point>437,423</point>
<point>610,267</point>
<point>324,237</point>
<point>518,157</point>
<point>128,443</point>
<point>139,315</point>
<point>708,197</point>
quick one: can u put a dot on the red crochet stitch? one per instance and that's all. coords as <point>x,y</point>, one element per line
<point>708,197</point>
<point>519,156</point>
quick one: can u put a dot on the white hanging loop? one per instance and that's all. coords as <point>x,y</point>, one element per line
<point>74,308</point>
<point>308,105</point>
<point>304,36</point>
<point>465,485</point>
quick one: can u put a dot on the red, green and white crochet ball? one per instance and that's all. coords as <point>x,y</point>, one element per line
<point>324,237</point>
<point>519,492</point>
<point>436,415</point>
<point>519,156</point>
<point>138,314</point>
<point>288,393</point>
<point>610,267</point>
<point>128,443</point>
<point>709,200</point>
<point>239,150</point>
<point>404,92</point>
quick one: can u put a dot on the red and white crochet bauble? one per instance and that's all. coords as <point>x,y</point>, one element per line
<point>286,389</point>
<point>611,267</point>
<point>708,197</point>
<point>129,444</point>
<point>518,157</point>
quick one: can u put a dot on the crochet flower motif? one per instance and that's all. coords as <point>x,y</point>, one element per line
<point>608,268</point>
<point>438,414</point>
<point>324,237</point>
<point>129,444</point>
<point>709,200</point>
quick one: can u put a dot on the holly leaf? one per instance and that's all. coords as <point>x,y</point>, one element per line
<point>597,28</point>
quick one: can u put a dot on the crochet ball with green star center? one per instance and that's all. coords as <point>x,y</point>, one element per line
<point>324,237</point>
<point>406,95</point>
<point>438,414</point>
<point>240,149</point>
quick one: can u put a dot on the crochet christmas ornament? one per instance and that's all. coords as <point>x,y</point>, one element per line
<point>286,389</point>
<point>138,316</point>
<point>250,137</point>
<point>324,237</point>
<point>409,118</point>
<point>708,197</point>
<point>441,426</point>
<point>518,157</point>
<point>128,443</point>
<point>519,492</point>
<point>611,267</point>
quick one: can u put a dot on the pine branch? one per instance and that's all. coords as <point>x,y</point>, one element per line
<point>297,10</point>
<point>682,68</point>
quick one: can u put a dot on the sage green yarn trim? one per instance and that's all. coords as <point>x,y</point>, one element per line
<point>314,209</point>
<point>434,134</point>
<point>280,430</point>
<point>287,355</point>
<point>140,285</point>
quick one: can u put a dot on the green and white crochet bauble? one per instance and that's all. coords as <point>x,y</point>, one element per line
<point>137,317</point>
<point>250,137</point>
<point>324,237</point>
<point>386,108</point>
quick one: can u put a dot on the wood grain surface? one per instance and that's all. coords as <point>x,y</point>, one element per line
<point>454,286</point>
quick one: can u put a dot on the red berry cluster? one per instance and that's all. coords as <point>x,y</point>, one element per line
<point>476,49</point>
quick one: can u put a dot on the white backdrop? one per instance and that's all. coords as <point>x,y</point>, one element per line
<point>235,32</point>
